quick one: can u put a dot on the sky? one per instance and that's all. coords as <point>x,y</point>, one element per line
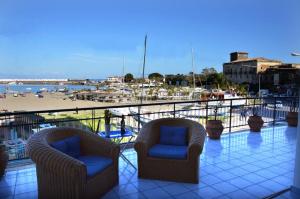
<point>90,39</point>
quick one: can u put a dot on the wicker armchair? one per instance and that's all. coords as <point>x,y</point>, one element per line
<point>185,170</point>
<point>62,177</point>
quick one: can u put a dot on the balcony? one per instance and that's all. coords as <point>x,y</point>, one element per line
<point>242,164</point>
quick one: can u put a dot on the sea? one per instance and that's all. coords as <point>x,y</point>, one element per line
<point>33,88</point>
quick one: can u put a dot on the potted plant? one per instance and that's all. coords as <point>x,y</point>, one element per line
<point>214,128</point>
<point>3,159</point>
<point>292,115</point>
<point>107,116</point>
<point>255,121</point>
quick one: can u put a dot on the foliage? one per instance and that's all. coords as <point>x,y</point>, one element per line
<point>128,77</point>
<point>156,76</point>
<point>175,79</point>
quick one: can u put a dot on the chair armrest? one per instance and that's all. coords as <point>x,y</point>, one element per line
<point>196,141</point>
<point>145,139</point>
<point>55,162</point>
<point>93,144</point>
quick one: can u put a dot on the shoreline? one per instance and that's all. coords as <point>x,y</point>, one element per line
<point>50,101</point>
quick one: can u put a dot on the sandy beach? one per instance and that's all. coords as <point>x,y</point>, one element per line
<point>58,100</point>
<point>50,101</point>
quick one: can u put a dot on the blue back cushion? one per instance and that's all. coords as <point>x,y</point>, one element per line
<point>173,135</point>
<point>73,146</point>
<point>60,145</point>
<point>69,146</point>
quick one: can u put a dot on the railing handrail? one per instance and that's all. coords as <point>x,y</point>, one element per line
<point>138,105</point>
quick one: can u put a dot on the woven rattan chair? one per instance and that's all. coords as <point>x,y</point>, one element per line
<point>60,176</point>
<point>185,170</point>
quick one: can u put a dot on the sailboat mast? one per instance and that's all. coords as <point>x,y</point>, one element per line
<point>143,79</point>
<point>193,68</point>
<point>123,70</point>
<point>144,64</point>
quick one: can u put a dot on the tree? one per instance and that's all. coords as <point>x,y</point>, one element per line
<point>208,71</point>
<point>128,77</point>
<point>156,76</point>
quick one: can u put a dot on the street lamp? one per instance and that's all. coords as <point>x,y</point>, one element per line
<point>295,54</point>
<point>296,184</point>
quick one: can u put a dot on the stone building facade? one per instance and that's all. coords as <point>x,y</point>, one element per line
<point>242,69</point>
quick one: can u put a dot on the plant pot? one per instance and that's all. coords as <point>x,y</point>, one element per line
<point>214,128</point>
<point>107,130</point>
<point>292,118</point>
<point>255,123</point>
<point>3,160</point>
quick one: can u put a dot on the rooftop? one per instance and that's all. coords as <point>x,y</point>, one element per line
<point>239,165</point>
<point>259,59</point>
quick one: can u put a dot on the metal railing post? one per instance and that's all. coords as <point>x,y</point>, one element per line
<point>274,112</point>
<point>230,115</point>
<point>139,118</point>
<point>206,115</point>
<point>174,110</point>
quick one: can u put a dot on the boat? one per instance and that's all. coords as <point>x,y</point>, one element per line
<point>39,95</point>
<point>63,90</point>
<point>12,83</point>
<point>146,116</point>
<point>44,89</point>
<point>197,111</point>
<point>43,126</point>
<point>225,100</point>
<point>120,111</point>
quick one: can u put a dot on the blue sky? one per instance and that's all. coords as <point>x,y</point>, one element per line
<point>88,39</point>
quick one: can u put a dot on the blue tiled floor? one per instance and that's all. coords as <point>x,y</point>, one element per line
<point>240,165</point>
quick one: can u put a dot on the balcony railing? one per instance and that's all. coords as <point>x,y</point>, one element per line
<point>16,127</point>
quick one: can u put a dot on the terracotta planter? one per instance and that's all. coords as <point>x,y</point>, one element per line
<point>3,160</point>
<point>214,128</point>
<point>255,123</point>
<point>292,118</point>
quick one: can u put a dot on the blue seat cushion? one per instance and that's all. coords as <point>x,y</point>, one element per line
<point>69,146</point>
<point>168,151</point>
<point>173,135</point>
<point>95,164</point>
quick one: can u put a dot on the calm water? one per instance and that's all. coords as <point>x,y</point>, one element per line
<point>37,87</point>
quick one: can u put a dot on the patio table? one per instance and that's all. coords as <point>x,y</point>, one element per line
<point>117,137</point>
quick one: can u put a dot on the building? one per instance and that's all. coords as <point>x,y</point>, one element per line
<point>242,69</point>
<point>115,79</point>
<point>285,78</point>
